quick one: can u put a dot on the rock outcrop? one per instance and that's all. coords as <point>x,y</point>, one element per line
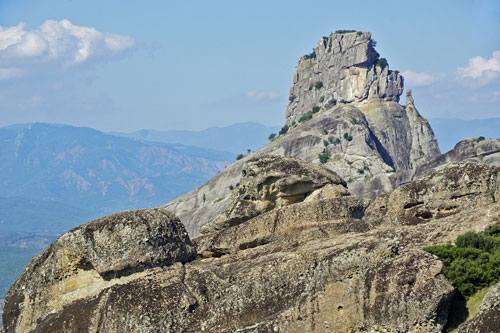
<point>470,150</point>
<point>92,257</point>
<point>273,182</point>
<point>344,105</point>
<point>332,264</point>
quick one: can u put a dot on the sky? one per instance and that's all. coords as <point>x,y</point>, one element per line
<point>119,65</point>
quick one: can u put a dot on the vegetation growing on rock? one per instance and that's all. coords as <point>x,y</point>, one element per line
<point>283,130</point>
<point>382,62</point>
<point>311,55</point>
<point>473,262</point>
<point>324,157</point>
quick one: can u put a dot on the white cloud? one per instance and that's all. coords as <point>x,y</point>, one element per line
<point>58,42</point>
<point>260,95</point>
<point>480,71</point>
<point>421,79</point>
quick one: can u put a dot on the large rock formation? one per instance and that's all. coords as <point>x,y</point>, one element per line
<point>348,102</point>
<point>332,264</point>
<point>344,67</point>
<point>289,247</point>
<point>90,258</point>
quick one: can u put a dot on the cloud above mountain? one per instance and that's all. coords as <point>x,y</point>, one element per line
<point>59,43</point>
<point>480,71</point>
<point>421,79</point>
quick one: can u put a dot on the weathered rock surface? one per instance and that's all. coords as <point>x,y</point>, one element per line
<point>470,150</point>
<point>92,257</point>
<point>272,182</point>
<point>346,66</point>
<point>369,137</point>
<point>327,265</point>
<point>488,318</point>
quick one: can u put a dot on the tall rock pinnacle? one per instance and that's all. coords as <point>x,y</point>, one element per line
<point>344,106</point>
<point>343,67</point>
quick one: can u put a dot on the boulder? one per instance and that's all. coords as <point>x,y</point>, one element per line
<point>91,257</point>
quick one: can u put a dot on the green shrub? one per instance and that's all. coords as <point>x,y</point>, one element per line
<point>474,262</point>
<point>311,55</point>
<point>294,123</point>
<point>291,98</point>
<point>321,99</point>
<point>315,109</point>
<point>382,62</point>
<point>361,171</point>
<point>240,156</point>
<point>283,130</point>
<point>337,141</point>
<point>318,85</point>
<point>272,136</point>
<point>359,33</point>
<point>306,116</point>
<point>344,31</point>
<point>326,143</point>
<point>231,187</point>
<point>481,138</point>
<point>342,101</point>
<point>332,102</point>
<point>474,240</point>
<point>347,137</point>
<point>493,230</point>
<point>324,157</point>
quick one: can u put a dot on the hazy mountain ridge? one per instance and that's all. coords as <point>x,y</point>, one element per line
<point>85,167</point>
<point>236,138</point>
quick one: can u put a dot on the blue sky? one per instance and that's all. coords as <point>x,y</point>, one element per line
<point>127,65</point>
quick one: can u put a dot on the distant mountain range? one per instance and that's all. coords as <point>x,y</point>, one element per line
<point>236,138</point>
<point>450,131</point>
<point>53,177</point>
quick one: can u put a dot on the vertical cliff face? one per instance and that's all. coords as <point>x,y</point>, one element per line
<point>343,67</point>
<point>423,142</point>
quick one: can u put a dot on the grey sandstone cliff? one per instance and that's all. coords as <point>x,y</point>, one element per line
<point>271,182</point>
<point>345,66</point>
<point>370,138</point>
<point>329,264</point>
